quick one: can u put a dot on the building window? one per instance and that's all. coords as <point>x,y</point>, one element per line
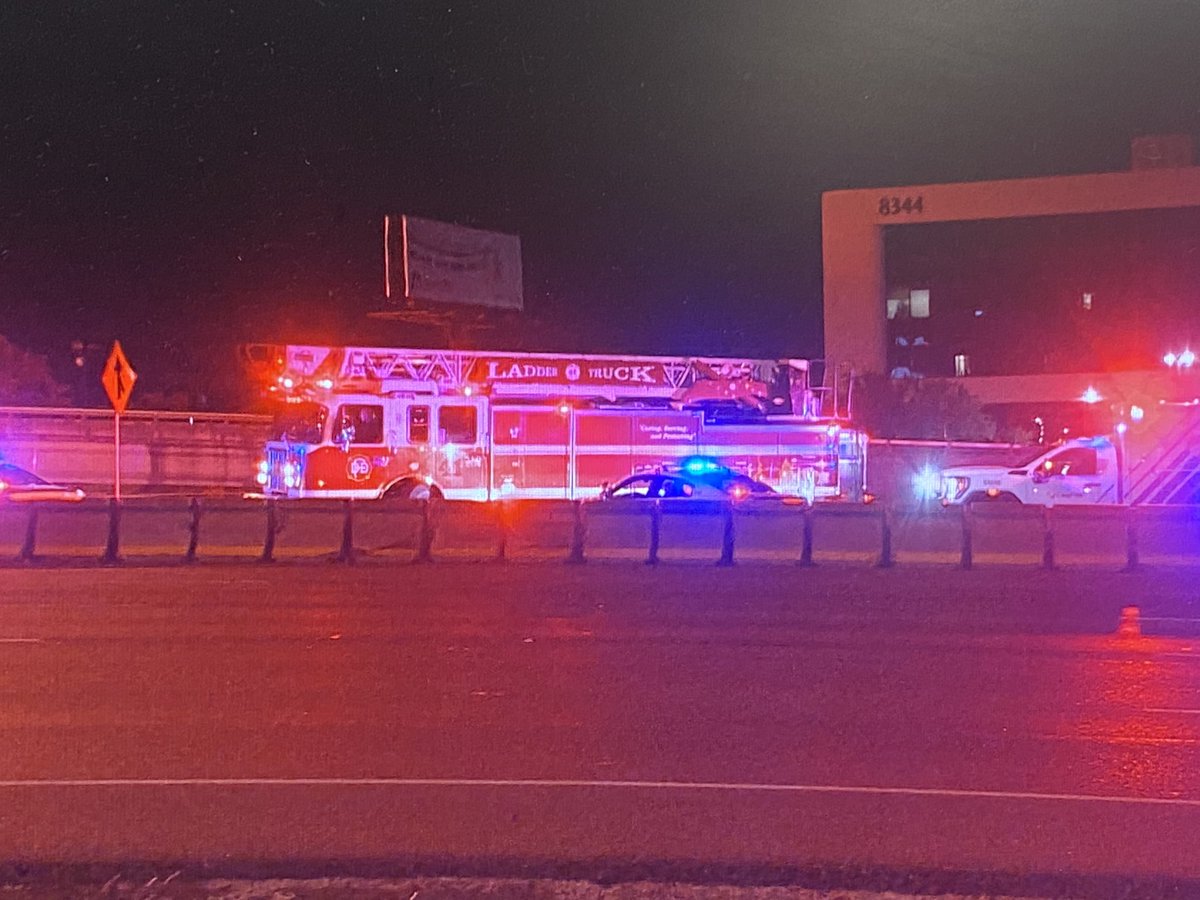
<point>962,365</point>
<point>1087,301</point>
<point>894,307</point>
<point>918,304</point>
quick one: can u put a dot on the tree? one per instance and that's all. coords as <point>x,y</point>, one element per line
<point>919,409</point>
<point>26,379</point>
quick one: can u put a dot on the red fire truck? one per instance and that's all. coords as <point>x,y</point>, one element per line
<point>367,422</point>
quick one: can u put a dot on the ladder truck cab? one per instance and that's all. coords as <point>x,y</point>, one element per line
<point>369,422</point>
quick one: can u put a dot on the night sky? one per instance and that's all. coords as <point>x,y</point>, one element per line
<point>186,175</point>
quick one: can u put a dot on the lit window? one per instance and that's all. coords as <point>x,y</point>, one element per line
<point>918,304</point>
<point>962,365</point>
<point>1087,301</point>
<point>894,307</point>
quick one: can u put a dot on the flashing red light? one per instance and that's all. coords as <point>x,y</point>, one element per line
<point>564,409</point>
<point>1091,395</point>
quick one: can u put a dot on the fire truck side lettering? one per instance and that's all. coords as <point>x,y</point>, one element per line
<point>640,374</point>
<point>519,370</point>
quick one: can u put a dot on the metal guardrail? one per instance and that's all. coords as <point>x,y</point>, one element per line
<point>574,517</point>
<point>133,415</point>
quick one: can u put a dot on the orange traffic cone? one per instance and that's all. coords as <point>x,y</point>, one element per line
<point>1130,624</point>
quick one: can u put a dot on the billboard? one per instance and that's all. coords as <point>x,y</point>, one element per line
<point>441,263</point>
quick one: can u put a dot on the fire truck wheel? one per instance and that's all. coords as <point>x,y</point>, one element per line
<point>425,492</point>
<point>413,490</point>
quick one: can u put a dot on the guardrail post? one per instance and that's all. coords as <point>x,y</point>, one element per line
<point>112,548</point>
<point>346,553</point>
<point>806,548</point>
<point>655,532</point>
<point>726,535</point>
<point>886,560</point>
<point>1132,555</point>
<point>967,559</point>
<point>578,533</point>
<point>425,538</point>
<point>1047,538</point>
<point>503,526</point>
<point>268,553</point>
<point>193,530</point>
<point>29,545</point>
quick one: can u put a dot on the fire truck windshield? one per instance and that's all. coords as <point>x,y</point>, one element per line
<point>301,423</point>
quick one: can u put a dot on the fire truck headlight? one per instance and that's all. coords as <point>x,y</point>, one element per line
<point>289,481</point>
<point>288,470</point>
<point>262,466</point>
<point>261,477</point>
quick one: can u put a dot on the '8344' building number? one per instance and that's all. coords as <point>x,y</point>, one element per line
<point>895,206</point>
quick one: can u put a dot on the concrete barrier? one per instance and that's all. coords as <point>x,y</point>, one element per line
<point>189,528</point>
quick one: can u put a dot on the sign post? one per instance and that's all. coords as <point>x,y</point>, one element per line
<point>118,378</point>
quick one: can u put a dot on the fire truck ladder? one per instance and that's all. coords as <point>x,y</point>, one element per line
<point>447,371</point>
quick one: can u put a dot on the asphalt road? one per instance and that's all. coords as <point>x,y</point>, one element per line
<point>542,717</point>
<point>158,529</point>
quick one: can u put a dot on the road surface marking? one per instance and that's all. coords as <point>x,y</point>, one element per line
<point>1167,709</point>
<point>20,640</point>
<point>715,786</point>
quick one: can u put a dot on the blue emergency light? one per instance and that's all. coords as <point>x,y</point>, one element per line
<point>698,465</point>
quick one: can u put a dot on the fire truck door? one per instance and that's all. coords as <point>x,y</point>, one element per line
<point>459,441</point>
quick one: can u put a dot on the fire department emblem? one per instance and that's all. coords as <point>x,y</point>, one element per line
<point>573,372</point>
<point>358,468</point>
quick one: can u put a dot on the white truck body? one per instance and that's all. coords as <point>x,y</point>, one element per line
<point>1083,471</point>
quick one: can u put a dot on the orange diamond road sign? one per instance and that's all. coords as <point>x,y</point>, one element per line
<point>118,378</point>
